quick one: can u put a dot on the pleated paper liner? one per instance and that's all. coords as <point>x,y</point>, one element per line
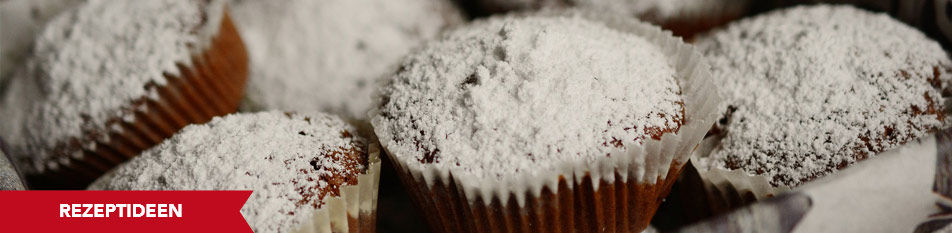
<point>942,186</point>
<point>732,189</point>
<point>573,207</point>
<point>908,196</point>
<point>700,194</point>
<point>726,190</point>
<point>612,194</point>
<point>943,172</point>
<point>212,85</point>
<point>355,210</point>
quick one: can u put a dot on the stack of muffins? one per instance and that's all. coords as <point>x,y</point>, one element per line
<point>556,118</point>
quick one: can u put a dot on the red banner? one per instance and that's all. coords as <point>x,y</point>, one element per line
<point>123,211</point>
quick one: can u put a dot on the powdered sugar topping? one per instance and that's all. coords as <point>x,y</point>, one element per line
<point>518,95</point>
<point>326,55</point>
<point>92,62</point>
<point>812,89</point>
<point>283,158</point>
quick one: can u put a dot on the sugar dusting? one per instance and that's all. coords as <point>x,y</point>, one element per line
<point>266,152</point>
<point>811,89</point>
<point>90,63</point>
<point>326,55</point>
<point>515,96</point>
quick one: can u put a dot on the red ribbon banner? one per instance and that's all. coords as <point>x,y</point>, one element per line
<point>123,211</point>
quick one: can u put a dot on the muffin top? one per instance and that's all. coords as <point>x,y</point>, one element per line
<point>518,95</point>
<point>809,90</point>
<point>291,161</point>
<point>91,62</point>
<point>325,55</point>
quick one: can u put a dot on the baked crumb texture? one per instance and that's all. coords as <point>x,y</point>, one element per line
<point>297,165</point>
<point>545,121</point>
<point>810,90</point>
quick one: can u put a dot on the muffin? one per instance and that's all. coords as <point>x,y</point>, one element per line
<point>111,78</point>
<point>810,90</point>
<point>20,22</point>
<point>544,122</point>
<point>325,55</point>
<point>683,17</point>
<point>309,173</point>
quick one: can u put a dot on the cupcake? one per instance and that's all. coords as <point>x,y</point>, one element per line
<point>325,55</point>
<point>811,90</point>
<point>111,78</point>
<point>895,191</point>
<point>683,17</point>
<point>309,173</point>
<point>20,22</point>
<point>553,121</point>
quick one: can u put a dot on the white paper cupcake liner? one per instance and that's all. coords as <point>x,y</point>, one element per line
<point>725,190</point>
<point>569,197</point>
<point>896,191</point>
<point>704,193</point>
<point>355,210</point>
<point>718,191</point>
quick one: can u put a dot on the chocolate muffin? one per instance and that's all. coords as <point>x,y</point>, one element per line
<point>110,78</point>
<point>543,123</point>
<point>810,90</point>
<point>302,168</point>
